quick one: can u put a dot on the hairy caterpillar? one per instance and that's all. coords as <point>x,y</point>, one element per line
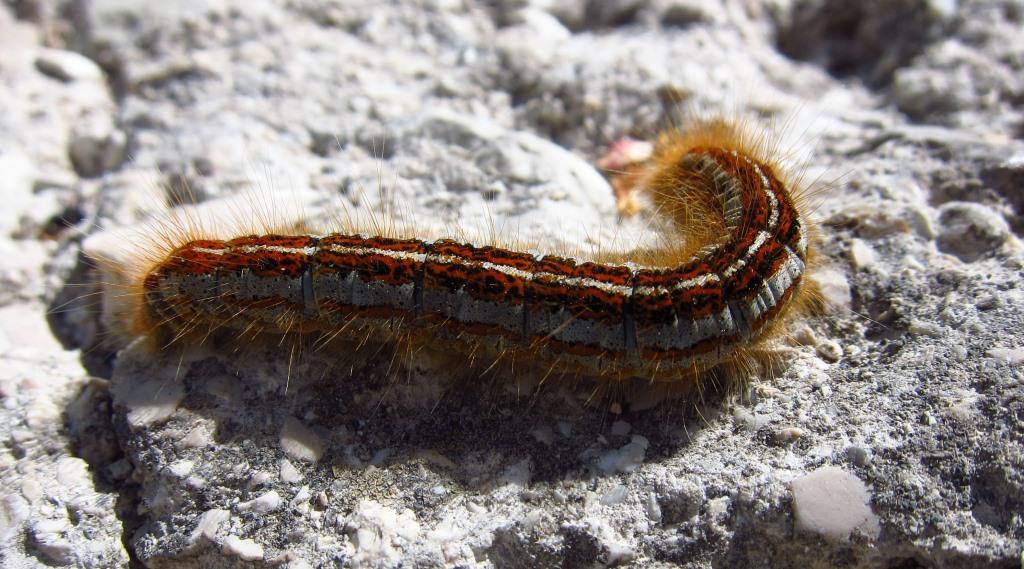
<point>733,251</point>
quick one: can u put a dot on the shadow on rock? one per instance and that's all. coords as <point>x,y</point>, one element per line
<point>361,431</point>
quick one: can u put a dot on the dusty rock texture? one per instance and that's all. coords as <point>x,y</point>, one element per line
<point>892,436</point>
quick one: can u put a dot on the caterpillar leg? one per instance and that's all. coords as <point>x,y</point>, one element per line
<point>624,163</point>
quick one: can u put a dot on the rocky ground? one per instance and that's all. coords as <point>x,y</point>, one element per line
<point>892,436</point>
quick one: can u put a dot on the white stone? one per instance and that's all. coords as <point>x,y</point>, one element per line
<point>833,286</point>
<point>208,525</point>
<point>244,549</point>
<point>862,255</point>
<point>625,459</point>
<point>1012,356</point>
<point>944,8</point>
<point>788,434</point>
<point>300,442</point>
<point>152,402</point>
<point>652,507</point>
<point>533,41</point>
<point>72,475</point>
<point>290,474</point>
<point>13,511</point>
<point>49,537</point>
<point>31,489</point>
<point>197,437</point>
<point>833,503</point>
<point>301,498</point>
<point>181,468</point>
<point>971,230</point>
<point>476,508</point>
<point>829,350</point>
<point>42,411</point>
<point>68,65</point>
<point>382,534</point>
<point>259,478</point>
<point>617,495</point>
<point>262,504</point>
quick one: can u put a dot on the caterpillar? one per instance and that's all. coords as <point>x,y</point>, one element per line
<point>729,267</point>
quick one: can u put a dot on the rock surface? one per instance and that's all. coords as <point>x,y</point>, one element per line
<point>892,437</point>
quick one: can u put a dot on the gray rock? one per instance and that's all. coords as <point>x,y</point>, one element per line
<point>472,118</point>
<point>971,231</point>
<point>96,145</point>
<point>54,510</point>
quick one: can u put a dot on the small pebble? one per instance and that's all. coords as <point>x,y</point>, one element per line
<point>67,66</point>
<point>858,456</point>
<point>788,434</point>
<point>1011,356</point>
<point>208,525</point>
<point>244,549</point>
<point>300,442</point>
<point>971,230</point>
<point>267,502</point>
<point>289,474</point>
<point>830,351</point>
<point>833,503</point>
<point>862,255</point>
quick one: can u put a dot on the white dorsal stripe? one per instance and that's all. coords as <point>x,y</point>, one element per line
<point>585,282</point>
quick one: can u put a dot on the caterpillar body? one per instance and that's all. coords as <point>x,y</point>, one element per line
<point>730,267</point>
